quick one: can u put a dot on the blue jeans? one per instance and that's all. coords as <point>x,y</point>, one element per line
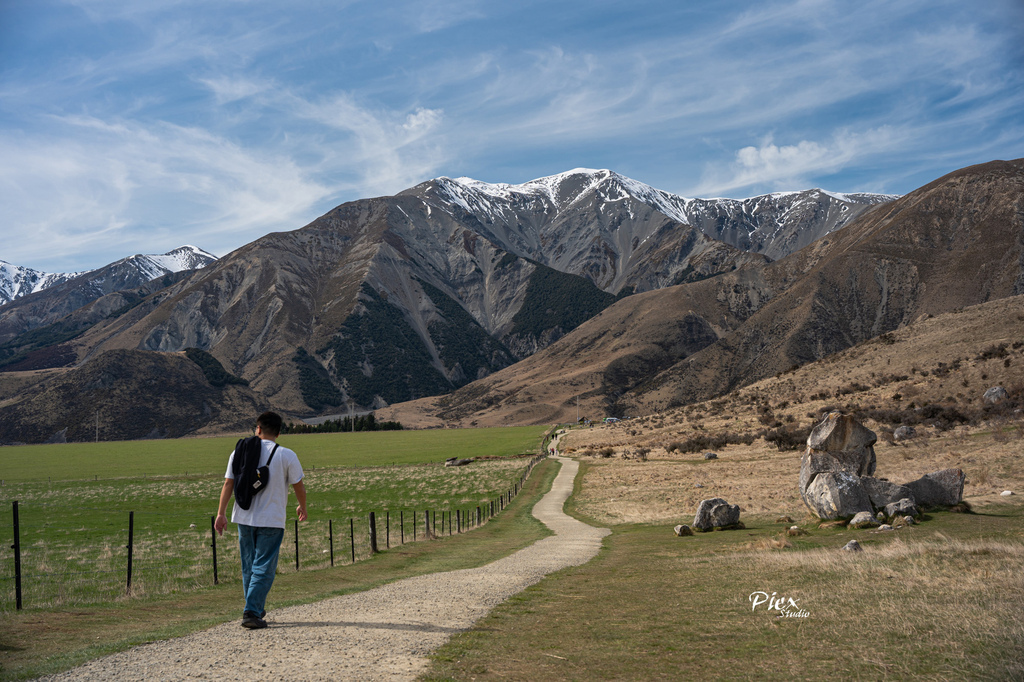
<point>259,548</point>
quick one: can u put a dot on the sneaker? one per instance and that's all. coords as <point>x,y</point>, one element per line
<point>253,622</point>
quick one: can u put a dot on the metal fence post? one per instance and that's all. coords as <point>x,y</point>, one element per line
<point>373,533</point>
<point>352,536</point>
<point>330,534</point>
<point>17,557</point>
<point>131,537</point>
<point>213,545</point>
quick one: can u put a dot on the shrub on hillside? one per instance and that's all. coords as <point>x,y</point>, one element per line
<point>788,437</point>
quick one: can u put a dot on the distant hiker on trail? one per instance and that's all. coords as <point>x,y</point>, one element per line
<point>263,471</point>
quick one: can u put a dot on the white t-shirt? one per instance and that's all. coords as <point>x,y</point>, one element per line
<point>269,507</point>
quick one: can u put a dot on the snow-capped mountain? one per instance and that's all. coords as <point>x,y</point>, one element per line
<point>772,224</point>
<point>386,299</point>
<point>445,285</point>
<point>17,281</point>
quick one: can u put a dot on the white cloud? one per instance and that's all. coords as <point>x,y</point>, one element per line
<point>226,89</point>
<point>793,166</point>
<point>123,187</point>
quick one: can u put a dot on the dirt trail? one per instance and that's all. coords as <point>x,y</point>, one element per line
<point>381,634</point>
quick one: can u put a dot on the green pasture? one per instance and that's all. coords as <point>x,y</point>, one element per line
<point>80,461</point>
<point>46,640</point>
<point>74,530</point>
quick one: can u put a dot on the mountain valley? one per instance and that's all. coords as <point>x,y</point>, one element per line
<point>465,303</point>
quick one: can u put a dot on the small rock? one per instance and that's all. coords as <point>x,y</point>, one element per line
<point>904,507</point>
<point>1006,493</point>
<point>710,455</point>
<point>191,525</point>
<point>995,394</point>
<point>794,531</point>
<point>683,530</point>
<point>880,516</point>
<point>784,519</point>
<point>853,546</point>
<point>909,520</point>
<point>862,519</point>
<point>885,526</point>
<point>904,433</point>
<point>698,485</point>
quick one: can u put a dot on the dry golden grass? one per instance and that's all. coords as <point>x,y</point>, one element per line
<point>938,361</point>
<point>763,480</point>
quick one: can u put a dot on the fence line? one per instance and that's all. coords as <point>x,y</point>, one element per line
<point>137,566</point>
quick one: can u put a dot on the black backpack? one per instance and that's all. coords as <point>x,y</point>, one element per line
<point>250,477</point>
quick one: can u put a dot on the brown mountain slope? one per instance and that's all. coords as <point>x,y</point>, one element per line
<point>931,374</point>
<point>953,243</point>
<point>956,242</point>
<point>131,394</point>
<point>600,360</point>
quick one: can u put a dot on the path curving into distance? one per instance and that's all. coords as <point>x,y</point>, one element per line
<point>381,634</point>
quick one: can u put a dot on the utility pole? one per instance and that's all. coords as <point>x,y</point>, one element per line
<point>97,426</point>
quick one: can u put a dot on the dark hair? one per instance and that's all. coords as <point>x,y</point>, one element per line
<point>271,423</point>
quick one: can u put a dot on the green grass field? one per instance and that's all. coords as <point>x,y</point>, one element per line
<point>84,461</point>
<point>74,528</point>
<point>45,641</point>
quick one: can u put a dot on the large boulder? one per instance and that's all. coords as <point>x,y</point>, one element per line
<point>943,488</point>
<point>840,451</point>
<point>883,493</point>
<point>716,513</point>
<point>847,440</point>
<point>836,495</point>
<point>836,479</point>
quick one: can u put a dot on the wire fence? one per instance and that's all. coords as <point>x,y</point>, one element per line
<point>61,556</point>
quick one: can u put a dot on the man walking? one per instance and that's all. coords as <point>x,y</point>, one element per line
<point>261,526</point>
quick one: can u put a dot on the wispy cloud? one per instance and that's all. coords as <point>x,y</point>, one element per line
<point>123,123</point>
<point>793,166</point>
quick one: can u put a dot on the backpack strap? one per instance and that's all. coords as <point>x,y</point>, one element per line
<point>271,458</point>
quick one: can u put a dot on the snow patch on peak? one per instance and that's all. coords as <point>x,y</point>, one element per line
<point>560,189</point>
<point>17,281</point>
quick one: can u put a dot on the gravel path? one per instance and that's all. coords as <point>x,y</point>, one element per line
<point>381,634</point>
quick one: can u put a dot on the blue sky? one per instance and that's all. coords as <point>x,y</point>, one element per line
<point>135,127</point>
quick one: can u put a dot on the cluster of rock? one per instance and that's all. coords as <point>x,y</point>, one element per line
<point>837,482</point>
<point>456,462</point>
